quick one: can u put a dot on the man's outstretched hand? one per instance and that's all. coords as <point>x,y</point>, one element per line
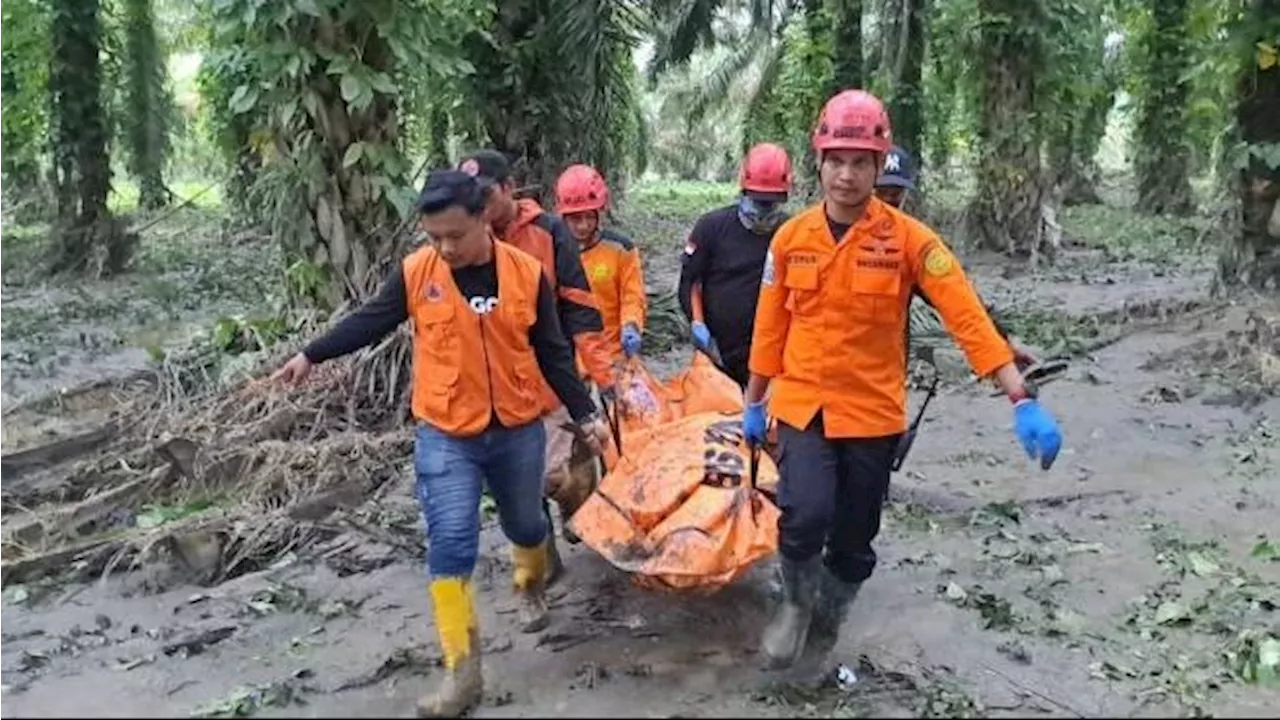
<point>294,371</point>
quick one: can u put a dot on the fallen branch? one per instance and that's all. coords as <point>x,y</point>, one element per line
<point>60,398</point>
<point>15,465</point>
<point>57,561</point>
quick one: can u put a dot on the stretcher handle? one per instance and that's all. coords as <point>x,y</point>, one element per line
<point>1038,375</point>
<point>615,424</point>
<point>903,447</point>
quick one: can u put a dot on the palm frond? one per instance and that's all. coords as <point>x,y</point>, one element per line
<point>681,28</point>
<point>714,89</point>
<point>769,74</point>
<point>592,41</point>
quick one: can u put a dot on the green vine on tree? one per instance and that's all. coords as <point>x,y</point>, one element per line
<point>319,83</point>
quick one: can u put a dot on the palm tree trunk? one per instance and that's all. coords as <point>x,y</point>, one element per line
<point>1163,162</point>
<point>147,103</point>
<point>1252,257</point>
<point>85,237</point>
<point>1006,213</point>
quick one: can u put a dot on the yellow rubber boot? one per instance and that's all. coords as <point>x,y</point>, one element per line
<point>530,575</point>
<point>463,685</point>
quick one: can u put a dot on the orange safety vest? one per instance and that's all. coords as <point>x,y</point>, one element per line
<point>467,366</point>
<point>529,232</point>
<point>830,326</point>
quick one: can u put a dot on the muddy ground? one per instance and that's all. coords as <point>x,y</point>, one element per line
<point>1139,577</point>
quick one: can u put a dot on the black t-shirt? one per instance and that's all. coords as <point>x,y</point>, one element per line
<point>727,259</point>
<point>478,285</point>
<point>838,229</point>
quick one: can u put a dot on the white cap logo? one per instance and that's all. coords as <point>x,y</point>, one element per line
<point>470,167</point>
<point>892,163</point>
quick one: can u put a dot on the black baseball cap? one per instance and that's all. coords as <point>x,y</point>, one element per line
<point>445,188</point>
<point>899,169</point>
<point>490,167</point>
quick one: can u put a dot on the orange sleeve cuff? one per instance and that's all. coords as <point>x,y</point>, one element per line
<point>595,357</point>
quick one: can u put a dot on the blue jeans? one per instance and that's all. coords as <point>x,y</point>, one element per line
<point>451,473</point>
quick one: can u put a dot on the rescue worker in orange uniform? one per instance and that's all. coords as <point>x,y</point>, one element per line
<point>614,271</point>
<point>524,224</point>
<point>894,186</point>
<point>724,257</point>
<point>830,339</point>
<point>610,259</point>
<point>486,344</point>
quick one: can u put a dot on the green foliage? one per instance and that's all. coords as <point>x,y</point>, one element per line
<point>951,82</point>
<point>903,72</point>
<point>787,108</point>
<point>734,82</point>
<point>554,83</point>
<point>314,88</point>
<point>682,27</point>
<point>1077,93</point>
<point>1162,160</point>
<point>845,17</point>
<point>24,105</point>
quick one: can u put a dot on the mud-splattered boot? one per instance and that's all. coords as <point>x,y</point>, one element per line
<point>462,686</point>
<point>555,565</point>
<point>530,577</point>
<point>830,610</point>
<point>785,636</point>
<point>584,478</point>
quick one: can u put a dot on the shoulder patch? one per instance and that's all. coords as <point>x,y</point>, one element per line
<point>767,278</point>
<point>938,262</point>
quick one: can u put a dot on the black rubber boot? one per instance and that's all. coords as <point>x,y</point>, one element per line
<point>784,638</point>
<point>832,607</point>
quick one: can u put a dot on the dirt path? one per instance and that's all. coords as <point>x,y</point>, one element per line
<point>1001,590</point>
<point>1138,578</point>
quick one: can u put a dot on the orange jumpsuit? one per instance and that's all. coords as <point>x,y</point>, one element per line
<point>830,333</point>
<point>613,268</point>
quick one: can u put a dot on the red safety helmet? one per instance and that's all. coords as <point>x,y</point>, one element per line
<point>580,189</point>
<point>766,172</point>
<point>853,120</point>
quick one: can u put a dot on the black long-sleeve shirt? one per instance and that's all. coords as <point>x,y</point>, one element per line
<point>479,285</point>
<point>727,260</point>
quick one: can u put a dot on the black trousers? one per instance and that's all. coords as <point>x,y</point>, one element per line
<point>734,364</point>
<point>831,493</point>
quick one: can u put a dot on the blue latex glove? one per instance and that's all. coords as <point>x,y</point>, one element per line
<point>1037,431</point>
<point>754,424</point>
<point>630,339</point>
<point>701,337</point>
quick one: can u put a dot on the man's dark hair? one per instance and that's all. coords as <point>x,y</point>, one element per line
<point>444,189</point>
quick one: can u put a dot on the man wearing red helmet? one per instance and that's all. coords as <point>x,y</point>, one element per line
<point>613,268</point>
<point>610,259</point>
<point>724,260</point>
<point>830,337</point>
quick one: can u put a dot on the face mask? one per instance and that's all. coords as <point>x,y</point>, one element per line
<point>760,218</point>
